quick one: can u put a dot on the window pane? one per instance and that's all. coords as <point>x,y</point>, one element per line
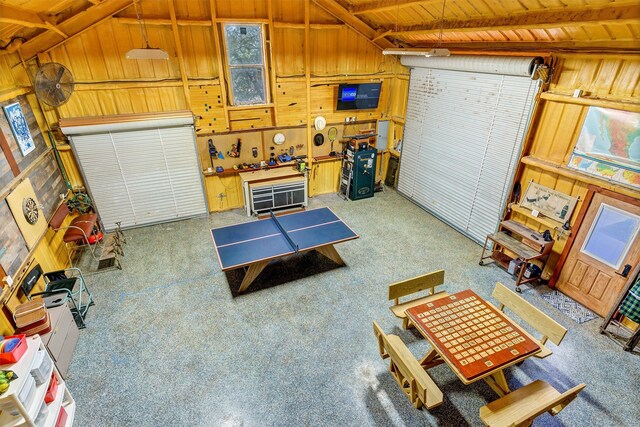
<point>244,44</point>
<point>248,86</point>
<point>611,235</point>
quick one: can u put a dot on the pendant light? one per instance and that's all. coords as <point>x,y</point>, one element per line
<point>147,52</point>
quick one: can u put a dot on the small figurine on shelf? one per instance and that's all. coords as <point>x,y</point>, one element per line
<point>235,149</point>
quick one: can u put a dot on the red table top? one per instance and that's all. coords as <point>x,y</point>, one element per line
<point>474,336</point>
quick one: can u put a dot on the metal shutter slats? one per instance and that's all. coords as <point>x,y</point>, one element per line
<point>142,176</point>
<point>462,138</point>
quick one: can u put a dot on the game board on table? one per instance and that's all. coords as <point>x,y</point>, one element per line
<point>472,334</point>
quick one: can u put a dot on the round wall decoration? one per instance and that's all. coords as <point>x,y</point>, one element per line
<point>278,138</point>
<point>30,210</point>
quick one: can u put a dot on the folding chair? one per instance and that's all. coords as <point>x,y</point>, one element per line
<point>60,287</point>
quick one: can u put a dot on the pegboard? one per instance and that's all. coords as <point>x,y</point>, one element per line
<point>207,106</point>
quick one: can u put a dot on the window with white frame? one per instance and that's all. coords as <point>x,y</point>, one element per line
<point>244,45</point>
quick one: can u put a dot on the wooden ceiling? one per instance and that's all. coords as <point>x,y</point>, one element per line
<point>34,26</point>
<point>505,24</point>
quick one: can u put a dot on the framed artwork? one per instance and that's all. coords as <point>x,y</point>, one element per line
<point>551,203</point>
<point>20,128</point>
<point>609,146</point>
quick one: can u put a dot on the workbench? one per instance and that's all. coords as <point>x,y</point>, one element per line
<point>266,189</point>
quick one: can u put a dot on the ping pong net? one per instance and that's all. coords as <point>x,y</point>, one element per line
<point>284,233</point>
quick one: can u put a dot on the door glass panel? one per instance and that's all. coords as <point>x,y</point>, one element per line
<point>611,235</point>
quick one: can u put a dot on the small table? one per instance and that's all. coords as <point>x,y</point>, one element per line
<point>470,335</point>
<point>255,244</point>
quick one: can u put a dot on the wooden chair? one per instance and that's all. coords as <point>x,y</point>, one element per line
<point>549,328</point>
<point>521,407</point>
<point>78,232</point>
<point>411,286</point>
<point>406,370</point>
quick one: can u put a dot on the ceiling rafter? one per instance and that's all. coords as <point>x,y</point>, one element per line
<point>23,17</point>
<point>386,5</point>
<point>610,46</point>
<point>528,21</point>
<point>74,26</point>
<point>353,22</point>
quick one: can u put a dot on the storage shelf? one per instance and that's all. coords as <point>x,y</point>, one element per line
<point>524,243</point>
<point>8,420</point>
<point>22,368</point>
<point>54,407</point>
<point>547,222</point>
<point>514,245</point>
<point>71,413</point>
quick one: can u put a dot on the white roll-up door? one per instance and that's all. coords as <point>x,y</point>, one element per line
<point>462,138</point>
<point>142,175</point>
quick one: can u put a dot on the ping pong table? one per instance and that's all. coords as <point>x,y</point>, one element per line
<point>255,244</point>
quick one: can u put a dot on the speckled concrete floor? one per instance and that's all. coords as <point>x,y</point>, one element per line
<point>168,345</point>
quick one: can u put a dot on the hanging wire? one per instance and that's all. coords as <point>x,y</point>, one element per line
<point>444,3</point>
<point>143,29</point>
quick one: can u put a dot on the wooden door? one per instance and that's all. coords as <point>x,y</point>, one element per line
<point>607,242</point>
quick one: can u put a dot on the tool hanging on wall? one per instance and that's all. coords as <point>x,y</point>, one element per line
<point>291,150</point>
<point>235,149</point>
<point>332,134</point>
<point>212,151</point>
<point>254,152</point>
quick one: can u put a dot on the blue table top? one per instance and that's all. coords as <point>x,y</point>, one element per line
<point>246,243</point>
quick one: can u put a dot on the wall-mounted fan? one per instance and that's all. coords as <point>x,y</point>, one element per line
<point>53,84</point>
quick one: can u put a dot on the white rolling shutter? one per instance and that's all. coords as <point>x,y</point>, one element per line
<point>462,139</point>
<point>97,156</point>
<point>142,175</point>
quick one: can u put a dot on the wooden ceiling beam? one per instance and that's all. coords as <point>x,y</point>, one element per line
<point>72,27</point>
<point>528,21</point>
<point>165,22</point>
<point>23,17</point>
<point>207,23</point>
<point>387,5</point>
<point>52,27</point>
<point>335,9</point>
<point>611,46</point>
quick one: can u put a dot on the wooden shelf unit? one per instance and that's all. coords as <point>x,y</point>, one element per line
<point>514,240</point>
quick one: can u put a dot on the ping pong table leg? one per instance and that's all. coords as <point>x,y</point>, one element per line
<point>330,252</point>
<point>252,272</point>
<point>498,383</point>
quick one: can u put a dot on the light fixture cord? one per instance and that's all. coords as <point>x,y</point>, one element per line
<point>444,3</point>
<point>395,35</point>
<point>143,30</point>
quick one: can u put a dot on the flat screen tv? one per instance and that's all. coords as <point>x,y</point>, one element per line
<point>363,96</point>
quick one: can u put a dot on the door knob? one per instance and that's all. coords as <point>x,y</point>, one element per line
<point>625,270</point>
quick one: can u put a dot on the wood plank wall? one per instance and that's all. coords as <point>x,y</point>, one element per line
<point>558,121</point>
<point>50,252</point>
<point>107,83</point>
